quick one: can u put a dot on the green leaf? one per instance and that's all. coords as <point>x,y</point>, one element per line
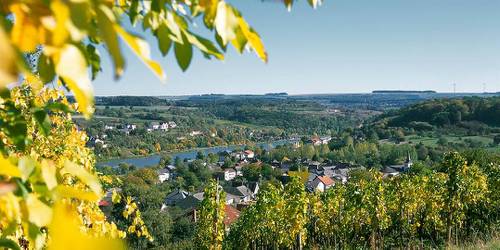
<point>219,41</point>
<point>57,106</point>
<point>42,120</point>
<point>46,69</point>
<point>133,11</point>
<point>164,41</point>
<point>183,53</point>
<point>240,41</point>
<point>93,59</point>
<point>9,244</point>
<point>204,45</point>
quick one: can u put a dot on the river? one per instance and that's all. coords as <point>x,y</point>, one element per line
<point>189,154</point>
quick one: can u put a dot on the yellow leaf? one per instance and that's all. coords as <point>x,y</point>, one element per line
<point>65,233</point>
<point>71,192</point>
<point>141,49</point>
<point>105,22</point>
<point>24,33</point>
<point>71,66</point>
<point>39,213</point>
<point>90,180</point>
<point>254,39</point>
<point>8,69</point>
<point>49,174</point>
<point>226,22</point>
<point>62,17</point>
<point>8,169</point>
<point>210,7</point>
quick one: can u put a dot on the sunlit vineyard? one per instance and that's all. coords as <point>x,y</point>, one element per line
<point>456,205</point>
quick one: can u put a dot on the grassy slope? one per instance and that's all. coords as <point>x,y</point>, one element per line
<point>492,244</point>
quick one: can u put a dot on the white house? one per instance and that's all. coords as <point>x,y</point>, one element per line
<point>229,174</point>
<point>163,126</point>
<point>325,140</point>
<point>249,154</point>
<point>321,183</point>
<point>166,173</point>
<point>131,126</point>
<point>172,124</point>
<point>195,133</point>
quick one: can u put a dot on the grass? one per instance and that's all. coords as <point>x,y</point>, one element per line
<point>432,141</point>
<point>493,244</point>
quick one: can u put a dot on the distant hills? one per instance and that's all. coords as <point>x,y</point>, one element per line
<point>404,92</point>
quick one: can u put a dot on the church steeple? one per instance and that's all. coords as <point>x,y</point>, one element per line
<point>408,162</point>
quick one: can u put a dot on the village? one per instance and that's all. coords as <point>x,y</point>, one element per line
<point>241,193</point>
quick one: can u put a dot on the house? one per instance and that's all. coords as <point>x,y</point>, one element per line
<point>131,126</point>
<point>108,127</point>
<point>254,187</point>
<point>195,133</point>
<point>314,165</point>
<point>393,170</point>
<point>163,126</point>
<point>154,126</point>
<point>239,170</point>
<point>166,173</point>
<point>295,143</point>
<point>249,154</point>
<point>175,196</point>
<point>389,172</point>
<point>227,174</point>
<point>238,155</point>
<point>240,194</point>
<point>172,124</point>
<point>231,215</point>
<point>321,183</point>
<point>325,139</point>
<point>316,141</point>
<point>199,196</point>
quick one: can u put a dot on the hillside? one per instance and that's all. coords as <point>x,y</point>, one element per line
<point>444,112</point>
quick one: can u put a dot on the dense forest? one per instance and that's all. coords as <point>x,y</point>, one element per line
<point>442,112</point>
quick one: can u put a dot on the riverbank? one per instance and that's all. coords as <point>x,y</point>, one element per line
<point>154,159</point>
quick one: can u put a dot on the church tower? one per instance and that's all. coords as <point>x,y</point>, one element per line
<point>408,162</point>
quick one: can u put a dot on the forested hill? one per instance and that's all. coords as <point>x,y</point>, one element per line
<point>441,112</point>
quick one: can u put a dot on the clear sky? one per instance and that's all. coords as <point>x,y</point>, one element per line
<point>344,46</point>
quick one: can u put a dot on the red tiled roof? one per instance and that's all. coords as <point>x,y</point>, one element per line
<point>326,180</point>
<point>104,203</point>
<point>232,214</point>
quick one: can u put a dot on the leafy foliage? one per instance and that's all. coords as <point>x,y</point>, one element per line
<point>48,186</point>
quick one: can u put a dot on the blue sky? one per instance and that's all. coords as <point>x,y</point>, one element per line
<point>344,46</point>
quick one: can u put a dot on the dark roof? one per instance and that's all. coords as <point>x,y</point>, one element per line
<point>176,196</point>
<point>389,170</point>
<point>241,191</point>
<point>189,202</point>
